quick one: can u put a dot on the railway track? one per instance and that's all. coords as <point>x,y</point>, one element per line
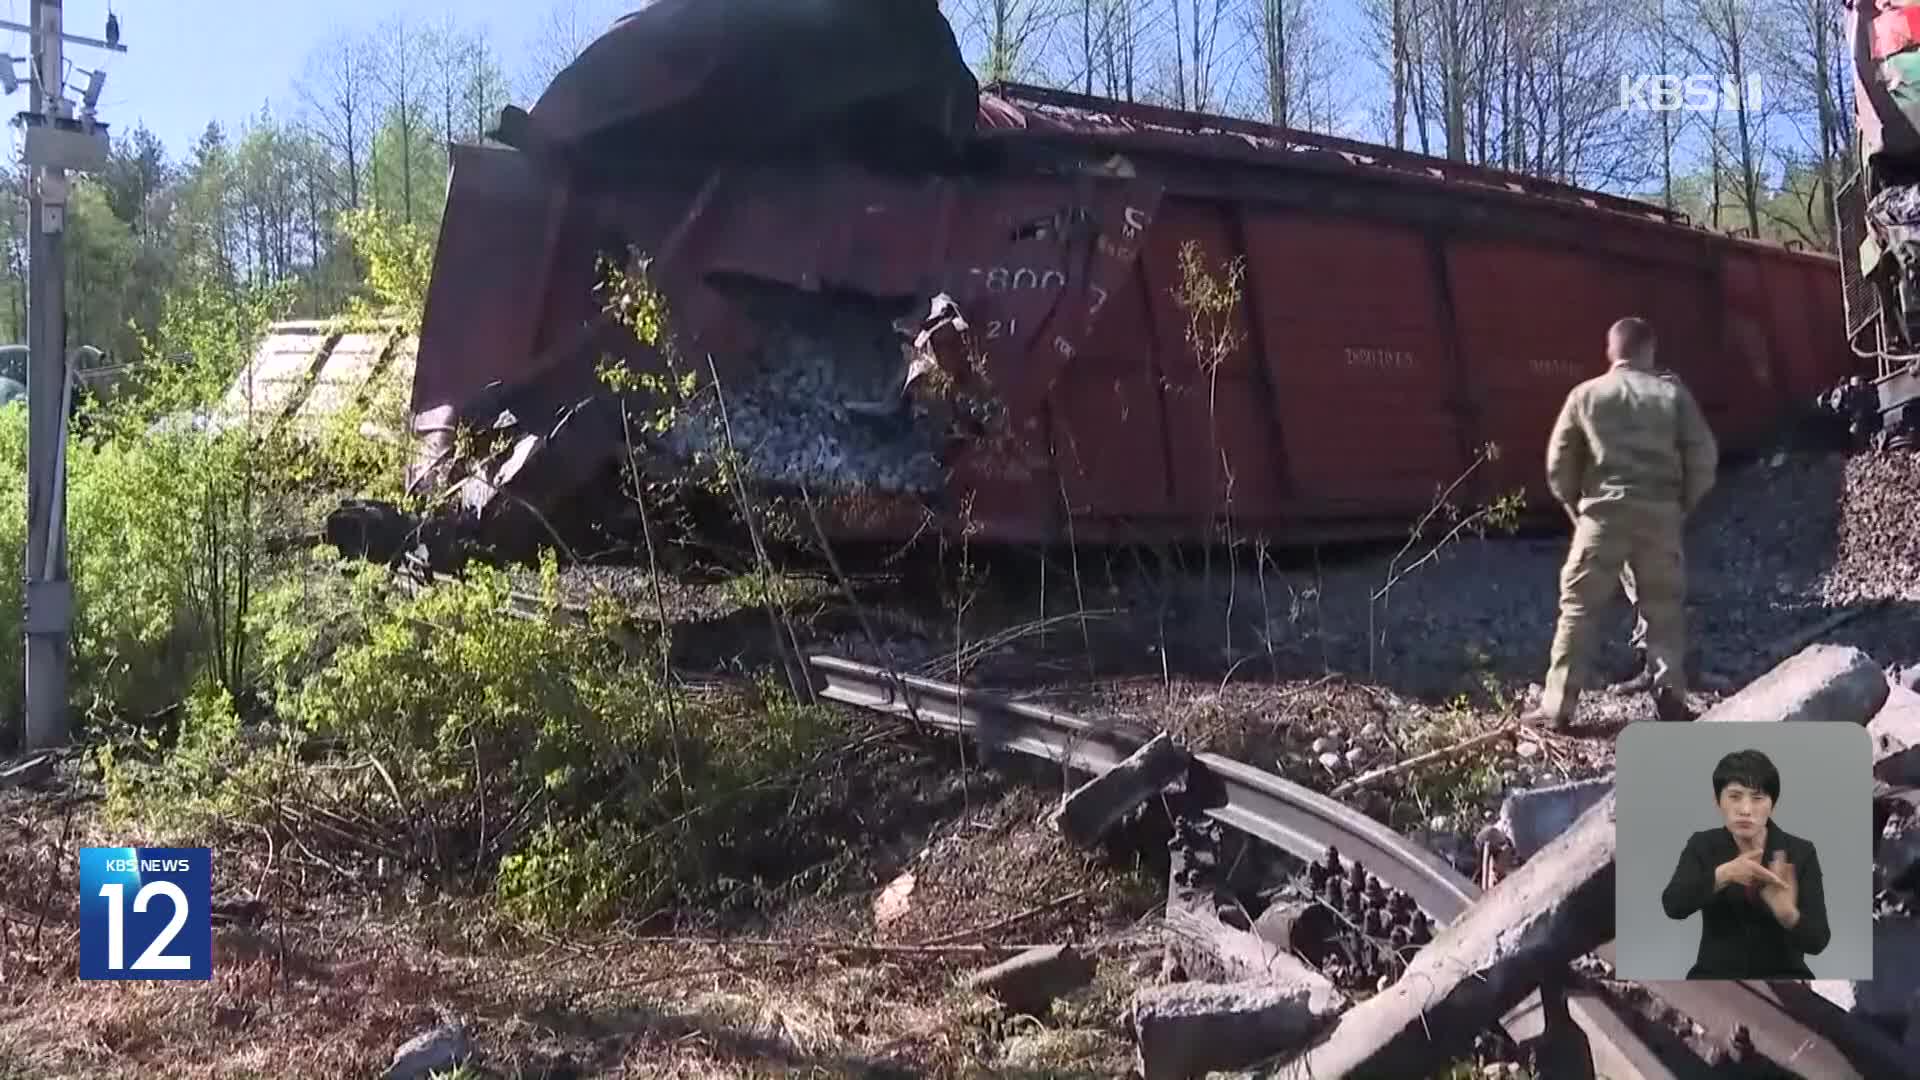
<point>1788,1023</point>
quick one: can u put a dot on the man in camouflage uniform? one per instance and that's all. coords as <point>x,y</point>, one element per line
<point>1642,678</point>
<point>1631,455</point>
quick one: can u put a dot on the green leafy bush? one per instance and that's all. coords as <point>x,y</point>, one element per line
<point>459,733</point>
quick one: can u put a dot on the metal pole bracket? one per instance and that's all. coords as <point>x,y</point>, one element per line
<point>49,607</point>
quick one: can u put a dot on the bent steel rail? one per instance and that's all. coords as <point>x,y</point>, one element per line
<point>1790,1025</point>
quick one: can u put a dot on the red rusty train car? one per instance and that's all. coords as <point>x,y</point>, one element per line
<point>1395,313</point>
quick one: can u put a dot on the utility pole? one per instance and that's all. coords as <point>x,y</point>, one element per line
<point>56,143</point>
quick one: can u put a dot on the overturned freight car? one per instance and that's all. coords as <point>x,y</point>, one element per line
<point>925,300</point>
<point>1878,212</point>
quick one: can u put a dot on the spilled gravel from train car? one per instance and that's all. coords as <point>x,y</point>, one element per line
<point>1879,530</point>
<point>790,422</point>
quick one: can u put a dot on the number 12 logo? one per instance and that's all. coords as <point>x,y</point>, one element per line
<point>152,903</point>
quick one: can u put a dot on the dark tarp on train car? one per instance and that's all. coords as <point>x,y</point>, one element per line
<point>719,80</point>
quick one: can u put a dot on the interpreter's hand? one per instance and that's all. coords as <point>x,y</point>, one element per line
<point>1783,899</point>
<point>1746,869</point>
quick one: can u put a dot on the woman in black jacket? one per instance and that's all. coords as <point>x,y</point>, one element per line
<point>1757,886</point>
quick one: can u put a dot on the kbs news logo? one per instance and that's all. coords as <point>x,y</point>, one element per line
<point>146,913</point>
<point>1690,93</point>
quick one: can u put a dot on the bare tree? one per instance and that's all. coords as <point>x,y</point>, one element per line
<point>403,78</point>
<point>568,27</point>
<point>450,47</point>
<point>1807,67</point>
<point>1295,62</point>
<point>1655,52</point>
<point>1455,45</point>
<point>338,108</point>
<point>1099,45</point>
<point>1726,39</point>
<point>1566,119</point>
<point>1392,25</point>
<point>1202,69</point>
<point>1121,48</point>
<point>1013,34</point>
<point>484,89</point>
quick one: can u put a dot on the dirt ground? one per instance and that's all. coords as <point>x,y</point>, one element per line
<point>330,980</point>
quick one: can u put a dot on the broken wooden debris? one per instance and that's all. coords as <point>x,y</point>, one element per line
<point>1819,683</point>
<point>1530,819</point>
<point>1030,982</point>
<point>1430,757</point>
<point>1094,807</point>
<point>1190,1029</point>
<point>27,771</point>
<point>1556,907</point>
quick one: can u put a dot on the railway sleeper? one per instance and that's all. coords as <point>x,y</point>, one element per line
<point>1528,931</point>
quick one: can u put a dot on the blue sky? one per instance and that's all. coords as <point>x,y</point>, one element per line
<point>191,61</point>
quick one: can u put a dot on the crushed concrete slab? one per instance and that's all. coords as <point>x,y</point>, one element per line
<point>1556,907</point>
<point>1207,948</point>
<point>1209,937</point>
<point>1029,982</point>
<point>1819,683</point>
<point>1190,1029</point>
<point>1888,997</point>
<point>439,1050</point>
<point>1531,819</point>
<point>1895,730</point>
<point>1094,807</point>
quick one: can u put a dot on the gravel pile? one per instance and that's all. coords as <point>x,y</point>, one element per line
<point>1779,547</point>
<point>791,424</point>
<point>1878,554</point>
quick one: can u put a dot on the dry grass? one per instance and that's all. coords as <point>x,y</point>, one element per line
<point>338,976</point>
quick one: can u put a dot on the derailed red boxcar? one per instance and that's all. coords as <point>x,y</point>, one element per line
<point>1394,313</point>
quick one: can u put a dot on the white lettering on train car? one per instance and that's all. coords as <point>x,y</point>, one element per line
<point>1018,278</point>
<point>1379,359</point>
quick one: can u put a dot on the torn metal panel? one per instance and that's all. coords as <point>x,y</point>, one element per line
<point>486,302</point>
<point>305,373</point>
<point>358,366</point>
<point>278,374</point>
